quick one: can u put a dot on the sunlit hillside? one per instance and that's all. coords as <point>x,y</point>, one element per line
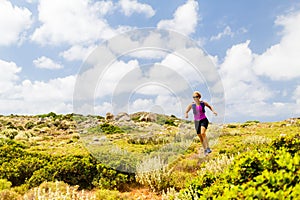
<point>146,156</point>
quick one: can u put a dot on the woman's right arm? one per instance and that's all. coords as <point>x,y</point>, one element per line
<point>187,110</point>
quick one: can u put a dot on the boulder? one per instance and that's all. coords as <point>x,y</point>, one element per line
<point>148,117</point>
<point>109,117</point>
<point>122,117</point>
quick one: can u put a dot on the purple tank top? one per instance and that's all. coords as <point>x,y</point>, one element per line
<point>199,115</point>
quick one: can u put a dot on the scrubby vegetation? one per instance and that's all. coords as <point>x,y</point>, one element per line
<point>71,156</point>
<point>267,172</point>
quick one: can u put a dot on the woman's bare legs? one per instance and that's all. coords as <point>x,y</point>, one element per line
<point>201,140</point>
<point>204,138</point>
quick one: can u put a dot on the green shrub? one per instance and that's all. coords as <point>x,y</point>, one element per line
<point>116,158</point>
<point>51,114</point>
<point>108,178</point>
<point>73,170</point>
<point>231,126</point>
<point>170,122</point>
<point>4,184</point>
<point>252,121</point>
<point>9,195</point>
<point>291,143</point>
<point>21,128</point>
<point>29,125</point>
<point>82,171</point>
<point>18,170</point>
<point>179,179</point>
<point>10,125</point>
<point>16,164</point>
<point>20,167</point>
<point>104,194</point>
<point>9,133</point>
<point>266,173</point>
<point>105,128</point>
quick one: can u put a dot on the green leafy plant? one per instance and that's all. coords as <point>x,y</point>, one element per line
<point>4,184</point>
<point>272,173</point>
<point>105,128</point>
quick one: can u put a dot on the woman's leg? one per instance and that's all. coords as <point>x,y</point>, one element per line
<point>204,138</point>
<point>198,131</point>
<point>201,140</point>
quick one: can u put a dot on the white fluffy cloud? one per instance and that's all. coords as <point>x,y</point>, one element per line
<point>58,89</point>
<point>14,21</point>
<point>239,79</point>
<point>71,22</point>
<point>8,76</point>
<point>140,105</point>
<point>244,92</point>
<point>226,32</point>
<point>296,95</point>
<point>133,6</point>
<point>39,97</point>
<point>163,103</point>
<point>281,61</point>
<point>77,52</point>
<point>104,7</point>
<point>113,75</point>
<point>246,95</point>
<point>184,20</point>
<point>46,63</point>
<point>33,97</point>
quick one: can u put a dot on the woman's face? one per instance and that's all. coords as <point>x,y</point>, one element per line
<point>196,97</point>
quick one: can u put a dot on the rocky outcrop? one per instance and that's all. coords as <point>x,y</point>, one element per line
<point>109,117</point>
<point>148,117</point>
<point>122,117</point>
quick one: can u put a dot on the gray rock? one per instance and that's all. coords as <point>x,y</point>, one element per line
<point>109,117</point>
<point>148,117</point>
<point>122,117</point>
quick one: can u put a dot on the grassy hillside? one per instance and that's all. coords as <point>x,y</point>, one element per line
<point>87,157</point>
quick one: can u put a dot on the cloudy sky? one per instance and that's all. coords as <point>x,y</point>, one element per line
<point>254,45</point>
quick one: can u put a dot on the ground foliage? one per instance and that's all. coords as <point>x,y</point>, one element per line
<point>268,172</point>
<point>250,160</point>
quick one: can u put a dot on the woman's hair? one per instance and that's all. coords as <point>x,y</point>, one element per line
<point>197,93</point>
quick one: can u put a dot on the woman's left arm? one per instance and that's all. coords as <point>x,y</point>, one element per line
<point>211,108</point>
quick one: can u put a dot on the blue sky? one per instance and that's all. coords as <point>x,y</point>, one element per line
<point>254,45</point>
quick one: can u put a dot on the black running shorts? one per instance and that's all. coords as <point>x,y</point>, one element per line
<point>202,122</point>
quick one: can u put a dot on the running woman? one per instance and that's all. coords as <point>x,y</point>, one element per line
<point>200,119</point>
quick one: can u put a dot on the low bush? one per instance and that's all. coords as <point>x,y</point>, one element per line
<point>148,139</point>
<point>256,139</point>
<point>232,126</point>
<point>271,173</point>
<point>29,125</point>
<point>9,133</point>
<point>117,158</point>
<point>21,167</point>
<point>111,179</point>
<point>4,184</point>
<point>9,195</point>
<point>105,128</point>
<point>73,170</point>
<point>104,194</point>
<point>154,173</point>
<point>57,190</point>
<point>170,122</point>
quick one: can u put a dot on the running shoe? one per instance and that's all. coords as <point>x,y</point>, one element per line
<point>208,150</point>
